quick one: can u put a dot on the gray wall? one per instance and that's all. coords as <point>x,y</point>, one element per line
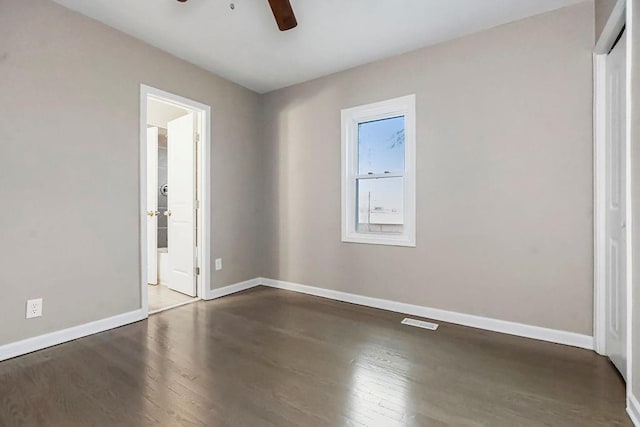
<point>603,9</point>
<point>504,119</point>
<point>504,164</point>
<point>69,153</point>
<point>635,197</point>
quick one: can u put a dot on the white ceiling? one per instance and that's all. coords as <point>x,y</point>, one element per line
<point>245,46</point>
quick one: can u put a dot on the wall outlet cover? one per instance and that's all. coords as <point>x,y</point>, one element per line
<point>218,263</point>
<point>34,308</point>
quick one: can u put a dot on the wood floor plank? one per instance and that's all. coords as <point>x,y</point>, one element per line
<point>268,357</point>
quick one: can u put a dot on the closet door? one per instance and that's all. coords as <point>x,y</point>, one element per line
<point>616,261</point>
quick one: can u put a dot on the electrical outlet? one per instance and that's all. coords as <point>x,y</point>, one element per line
<point>218,263</point>
<point>34,308</point>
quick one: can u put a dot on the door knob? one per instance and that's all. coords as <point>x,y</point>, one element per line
<point>152,213</point>
<point>167,213</point>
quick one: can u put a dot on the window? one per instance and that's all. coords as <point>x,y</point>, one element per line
<point>378,173</point>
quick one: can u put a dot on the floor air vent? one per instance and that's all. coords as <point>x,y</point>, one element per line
<point>420,324</point>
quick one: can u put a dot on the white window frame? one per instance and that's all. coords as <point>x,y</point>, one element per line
<point>351,117</point>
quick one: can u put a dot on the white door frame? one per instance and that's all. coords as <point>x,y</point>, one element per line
<point>615,24</point>
<point>203,113</point>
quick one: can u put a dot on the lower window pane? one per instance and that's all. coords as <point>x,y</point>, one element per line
<point>380,205</point>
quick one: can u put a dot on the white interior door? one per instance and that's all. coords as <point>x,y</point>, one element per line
<point>181,204</point>
<point>152,205</point>
<point>616,302</point>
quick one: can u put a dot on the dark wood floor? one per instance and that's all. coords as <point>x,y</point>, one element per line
<point>268,357</point>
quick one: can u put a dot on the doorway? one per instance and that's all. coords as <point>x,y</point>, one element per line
<point>174,183</point>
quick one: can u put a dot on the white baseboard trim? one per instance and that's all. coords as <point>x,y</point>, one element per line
<point>503,326</point>
<point>29,345</point>
<point>232,289</point>
<point>633,409</point>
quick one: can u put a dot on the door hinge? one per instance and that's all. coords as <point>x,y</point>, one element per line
<point>197,204</point>
<point>197,137</point>
<point>197,271</point>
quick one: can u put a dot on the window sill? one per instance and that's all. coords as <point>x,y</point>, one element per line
<point>379,240</point>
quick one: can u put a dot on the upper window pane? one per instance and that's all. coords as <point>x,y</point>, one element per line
<point>381,146</point>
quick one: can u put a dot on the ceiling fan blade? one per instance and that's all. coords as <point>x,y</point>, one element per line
<point>283,13</point>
